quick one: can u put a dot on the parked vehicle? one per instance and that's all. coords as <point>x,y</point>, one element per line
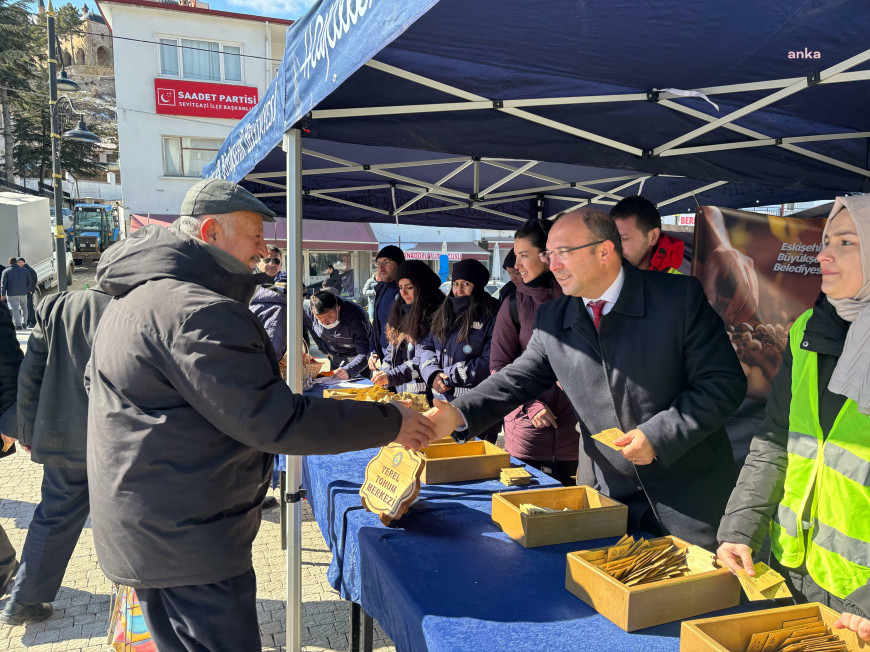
<point>94,229</point>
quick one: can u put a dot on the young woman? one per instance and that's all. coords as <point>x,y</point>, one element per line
<point>455,355</point>
<point>806,481</point>
<point>407,325</point>
<point>542,432</point>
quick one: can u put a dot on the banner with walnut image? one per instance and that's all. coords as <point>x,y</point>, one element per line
<point>760,273</point>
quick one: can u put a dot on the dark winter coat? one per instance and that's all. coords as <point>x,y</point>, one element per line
<point>521,438</point>
<point>16,282</point>
<point>402,365</point>
<point>506,290</point>
<point>52,402</point>
<point>385,295</point>
<point>465,363</point>
<point>10,360</point>
<point>346,345</point>
<point>270,307</point>
<point>760,486</point>
<point>661,362</point>
<point>186,407</point>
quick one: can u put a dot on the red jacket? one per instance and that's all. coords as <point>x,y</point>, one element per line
<point>522,439</point>
<point>667,254</point>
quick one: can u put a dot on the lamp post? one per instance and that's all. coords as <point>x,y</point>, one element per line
<point>80,133</point>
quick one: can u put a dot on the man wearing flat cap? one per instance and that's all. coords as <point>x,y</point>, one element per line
<point>186,409</point>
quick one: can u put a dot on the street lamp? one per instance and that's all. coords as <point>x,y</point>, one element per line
<point>80,133</point>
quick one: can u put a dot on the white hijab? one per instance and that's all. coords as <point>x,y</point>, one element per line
<point>851,376</point>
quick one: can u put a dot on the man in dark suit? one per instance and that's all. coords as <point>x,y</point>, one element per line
<point>637,351</point>
<point>10,360</point>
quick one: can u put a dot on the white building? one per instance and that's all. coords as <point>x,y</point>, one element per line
<point>184,76</point>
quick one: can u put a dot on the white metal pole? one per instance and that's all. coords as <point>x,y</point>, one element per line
<point>293,516</point>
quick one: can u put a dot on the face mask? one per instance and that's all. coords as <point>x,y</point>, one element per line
<point>329,327</point>
<point>460,303</point>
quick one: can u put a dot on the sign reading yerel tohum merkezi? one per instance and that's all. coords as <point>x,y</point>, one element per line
<point>203,99</point>
<point>392,482</point>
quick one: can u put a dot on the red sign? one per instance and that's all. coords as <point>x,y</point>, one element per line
<point>687,219</point>
<point>430,255</point>
<point>203,99</point>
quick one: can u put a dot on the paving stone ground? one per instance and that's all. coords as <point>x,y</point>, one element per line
<point>81,610</point>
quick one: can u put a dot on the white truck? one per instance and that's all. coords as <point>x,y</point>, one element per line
<point>26,232</point>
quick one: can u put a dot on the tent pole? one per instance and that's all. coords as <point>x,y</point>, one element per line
<point>292,145</point>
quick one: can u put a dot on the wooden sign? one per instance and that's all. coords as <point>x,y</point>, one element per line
<point>392,482</point>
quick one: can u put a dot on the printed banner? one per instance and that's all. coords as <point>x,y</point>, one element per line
<point>760,273</point>
<point>203,99</point>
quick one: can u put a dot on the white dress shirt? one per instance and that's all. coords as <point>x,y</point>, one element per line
<point>610,295</point>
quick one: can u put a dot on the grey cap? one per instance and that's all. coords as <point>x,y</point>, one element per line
<point>216,197</point>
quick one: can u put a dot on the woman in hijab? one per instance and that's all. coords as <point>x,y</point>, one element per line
<point>407,325</point>
<point>806,481</point>
<point>542,432</point>
<point>455,355</point>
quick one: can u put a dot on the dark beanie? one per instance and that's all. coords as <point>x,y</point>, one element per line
<point>472,271</point>
<point>510,259</point>
<point>393,253</point>
<point>420,274</point>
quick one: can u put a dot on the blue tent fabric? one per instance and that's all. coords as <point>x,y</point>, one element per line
<point>496,51</point>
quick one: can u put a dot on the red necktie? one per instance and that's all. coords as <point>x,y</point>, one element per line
<point>597,308</point>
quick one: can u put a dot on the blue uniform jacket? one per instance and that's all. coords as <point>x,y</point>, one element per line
<point>346,345</point>
<point>385,295</point>
<point>465,363</point>
<point>402,364</point>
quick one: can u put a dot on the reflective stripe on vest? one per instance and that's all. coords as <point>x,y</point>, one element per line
<point>826,479</point>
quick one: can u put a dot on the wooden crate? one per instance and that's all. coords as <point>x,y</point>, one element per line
<point>708,587</point>
<point>595,517</point>
<point>733,633</point>
<point>474,460</point>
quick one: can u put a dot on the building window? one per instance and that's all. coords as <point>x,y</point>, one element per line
<point>200,60</point>
<point>185,157</point>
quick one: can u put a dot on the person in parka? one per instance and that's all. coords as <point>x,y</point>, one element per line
<point>342,331</point>
<point>270,306</point>
<point>806,481</point>
<point>387,260</point>
<point>541,432</point>
<point>187,408</point>
<point>407,327</point>
<point>456,352</point>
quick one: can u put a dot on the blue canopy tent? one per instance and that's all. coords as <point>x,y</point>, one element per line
<point>740,100</point>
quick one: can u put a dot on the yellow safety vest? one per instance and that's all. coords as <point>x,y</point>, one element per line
<point>830,475</point>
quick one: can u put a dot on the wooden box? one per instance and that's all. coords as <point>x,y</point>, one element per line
<point>474,460</point>
<point>708,587</point>
<point>596,516</point>
<point>733,633</point>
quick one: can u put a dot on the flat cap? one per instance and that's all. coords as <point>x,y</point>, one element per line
<point>217,197</point>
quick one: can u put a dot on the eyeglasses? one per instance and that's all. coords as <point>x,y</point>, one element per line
<point>277,261</point>
<point>384,263</point>
<point>562,252</point>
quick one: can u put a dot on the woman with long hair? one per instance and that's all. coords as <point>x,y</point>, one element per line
<point>541,432</point>
<point>806,482</point>
<point>407,325</point>
<point>455,355</point>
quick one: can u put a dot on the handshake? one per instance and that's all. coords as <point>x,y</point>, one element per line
<point>420,430</point>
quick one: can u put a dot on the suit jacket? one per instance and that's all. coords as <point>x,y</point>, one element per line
<point>661,363</point>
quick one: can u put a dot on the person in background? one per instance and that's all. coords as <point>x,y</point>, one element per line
<point>31,311</point>
<point>271,265</point>
<point>386,292</point>
<point>644,244</point>
<point>510,266</point>
<point>407,327</point>
<point>10,360</point>
<point>806,480</point>
<point>15,284</point>
<point>456,352</point>
<point>55,433</point>
<point>368,292</point>
<point>333,282</point>
<point>341,330</point>
<point>541,432</point>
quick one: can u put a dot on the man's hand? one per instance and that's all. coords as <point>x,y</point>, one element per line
<point>439,384</point>
<point>417,431</point>
<point>859,625</point>
<point>637,449</point>
<point>544,419</point>
<point>374,362</point>
<point>727,268</point>
<point>380,378</point>
<point>737,557</point>
<point>340,374</point>
<point>445,417</point>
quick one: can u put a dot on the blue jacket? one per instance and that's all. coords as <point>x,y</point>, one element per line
<point>402,364</point>
<point>16,282</point>
<point>465,363</point>
<point>270,307</point>
<point>346,345</point>
<point>385,295</point>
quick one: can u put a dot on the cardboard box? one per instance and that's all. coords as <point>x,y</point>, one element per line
<point>708,587</point>
<point>595,517</point>
<point>474,460</point>
<point>733,633</point>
